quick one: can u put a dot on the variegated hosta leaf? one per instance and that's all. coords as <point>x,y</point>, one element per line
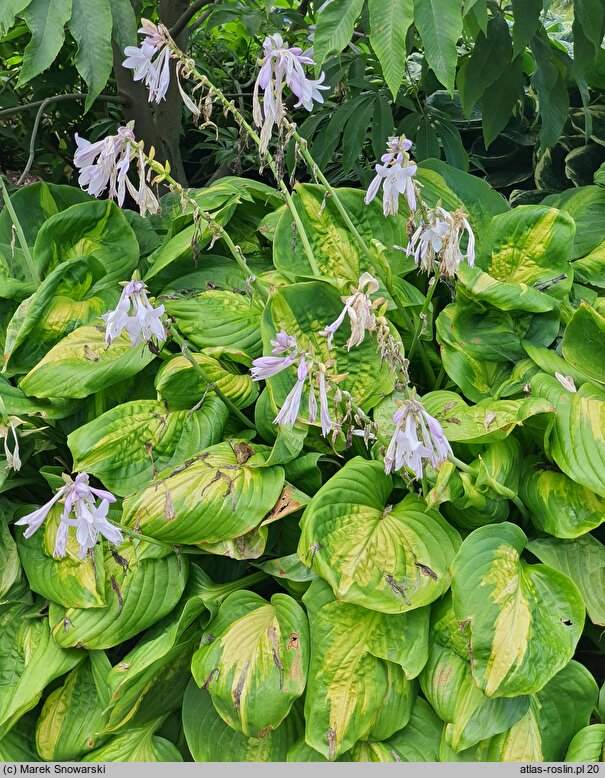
<point>388,558</point>
<point>128,444</point>
<point>139,744</point>
<point>218,318</point>
<point>70,719</point>
<point>16,403</point>
<point>576,438</point>
<point>588,745</point>
<point>361,663</point>
<point>483,288</point>
<point>559,506</point>
<point>524,620</point>
<point>584,342</point>
<point>583,560</point>
<point>302,310</point>
<point>138,591</point>
<point>182,388</point>
<point>253,660</point>
<point>219,494</point>
<point>82,364</point>
<point>13,584</point>
<point>566,705</point>
<point>549,361</point>
<point>211,740</point>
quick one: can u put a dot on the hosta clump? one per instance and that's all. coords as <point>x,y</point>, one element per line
<point>324,479</point>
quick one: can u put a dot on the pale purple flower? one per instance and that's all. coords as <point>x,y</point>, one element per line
<point>324,412</point>
<point>79,500</point>
<point>283,342</point>
<point>396,176</point>
<point>282,66</point>
<point>135,314</point>
<point>266,367</point>
<point>437,242</point>
<point>155,73</point>
<point>360,309</point>
<point>289,410</point>
<point>407,449</point>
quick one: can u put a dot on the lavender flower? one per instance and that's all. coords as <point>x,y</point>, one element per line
<point>437,242</point>
<point>360,309</point>
<point>289,410</point>
<point>396,176</point>
<point>143,324</point>
<point>80,500</point>
<point>282,66</point>
<point>406,449</point>
<point>155,73</point>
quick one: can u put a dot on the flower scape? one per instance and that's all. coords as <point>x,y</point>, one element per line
<point>325,487</point>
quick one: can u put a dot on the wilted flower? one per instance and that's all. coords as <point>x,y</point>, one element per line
<point>565,380</point>
<point>396,175</point>
<point>360,310</point>
<point>106,164</point>
<point>8,430</point>
<point>80,501</point>
<point>406,448</point>
<point>437,241</point>
<point>282,65</point>
<point>143,324</point>
<point>155,73</point>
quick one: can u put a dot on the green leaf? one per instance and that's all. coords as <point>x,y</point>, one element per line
<point>218,495</point>
<point>427,141</point>
<point>588,745</point>
<point>391,559</point>
<point>124,23</point>
<point>17,404</point>
<point>439,23</point>
<point>46,20</point>
<point>489,58</point>
<point>128,444</point>
<point>90,24</point>
<point>584,342</point>
<point>418,741</point>
<point>335,25</point>
<point>586,206</point>
<point>525,620</point>
<point>361,661</point>
<point>576,438</point>
<point>139,744</point>
<point>499,100</point>
<point>19,745</point>
<point>582,560</point>
<point>11,575</point>
<point>355,131</point>
<point>526,15</point>
<point>253,660</point>
<point>389,23</point>
<point>8,11</point>
<point>211,740</point>
<point>482,288</point>
<point>551,88</point>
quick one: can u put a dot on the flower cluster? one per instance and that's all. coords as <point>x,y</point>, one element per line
<point>286,353</point>
<point>106,163</point>
<point>396,176</point>
<point>406,449</point>
<point>360,310</point>
<point>79,500</point>
<point>282,65</point>
<point>135,314</point>
<point>437,242</point>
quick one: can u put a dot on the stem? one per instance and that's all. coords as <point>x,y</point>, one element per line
<point>29,260</point>
<point>138,536</point>
<point>422,317</point>
<point>60,99</point>
<point>184,19</point>
<point>428,368</point>
<point>178,338</point>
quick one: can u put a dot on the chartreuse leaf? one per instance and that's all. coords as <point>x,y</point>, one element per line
<point>128,444</point>
<point>588,745</point>
<point>418,741</point>
<point>29,660</point>
<point>584,342</point>
<point>182,388</point>
<point>253,660</point>
<point>566,705</point>
<point>576,437</point>
<point>389,23</point>
<point>524,620</point>
<point>211,740</point>
<point>139,744</point>
<point>17,404</point>
<point>219,494</point>
<point>559,506</point>
<point>70,719</point>
<point>45,19</point>
<point>90,24</point>
<point>582,560</point>
<point>548,360</point>
<point>13,585</point>
<point>483,288</point>
<point>391,558</point>
<point>82,364</point>
<point>305,309</point>
<point>361,661</point>
<point>439,23</point>
<point>138,591</point>
<point>586,206</point>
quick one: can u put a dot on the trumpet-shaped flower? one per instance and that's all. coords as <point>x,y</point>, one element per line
<point>80,510</point>
<point>418,436</point>
<point>396,177</point>
<point>360,309</point>
<point>8,430</point>
<point>437,242</point>
<point>135,314</point>
<point>150,62</point>
<point>282,66</point>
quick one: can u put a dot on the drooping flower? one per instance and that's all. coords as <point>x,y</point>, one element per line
<point>418,436</point>
<point>566,381</point>
<point>289,411</point>
<point>266,367</point>
<point>105,164</point>
<point>8,430</point>
<point>154,73</point>
<point>437,242</point>
<point>282,66</point>
<point>135,314</point>
<point>360,309</point>
<point>79,501</point>
<point>396,176</point>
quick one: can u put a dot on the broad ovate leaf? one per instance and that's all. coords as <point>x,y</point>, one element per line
<point>391,558</point>
<point>588,745</point>
<point>524,620</point>
<point>584,342</point>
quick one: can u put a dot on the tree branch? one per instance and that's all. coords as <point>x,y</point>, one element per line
<point>59,99</point>
<point>183,20</point>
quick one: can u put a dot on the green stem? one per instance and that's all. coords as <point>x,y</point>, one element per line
<point>29,260</point>
<point>428,368</point>
<point>473,471</point>
<point>422,317</point>
<point>138,536</point>
<point>178,338</point>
